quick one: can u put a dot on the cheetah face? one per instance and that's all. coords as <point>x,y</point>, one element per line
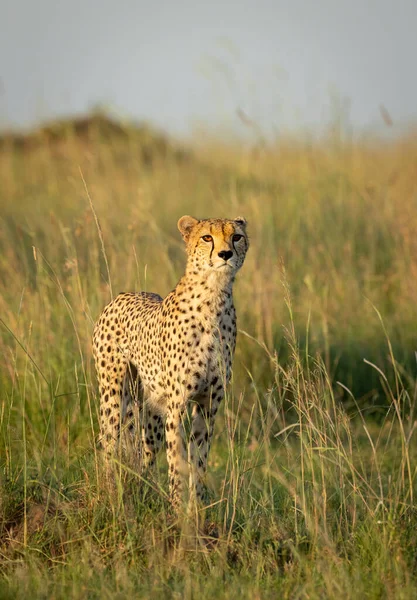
<point>215,245</point>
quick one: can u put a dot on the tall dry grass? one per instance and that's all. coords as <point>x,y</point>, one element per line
<point>313,466</point>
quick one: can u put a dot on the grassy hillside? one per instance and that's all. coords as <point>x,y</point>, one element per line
<point>313,469</point>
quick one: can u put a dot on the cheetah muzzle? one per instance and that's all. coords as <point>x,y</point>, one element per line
<point>156,357</point>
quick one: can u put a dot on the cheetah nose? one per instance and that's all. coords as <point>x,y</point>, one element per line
<point>226,254</point>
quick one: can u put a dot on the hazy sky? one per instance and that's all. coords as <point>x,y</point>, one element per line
<point>183,62</point>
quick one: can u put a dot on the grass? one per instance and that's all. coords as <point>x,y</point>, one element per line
<point>313,468</point>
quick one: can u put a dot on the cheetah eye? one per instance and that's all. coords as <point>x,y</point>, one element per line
<point>237,237</point>
<point>207,238</point>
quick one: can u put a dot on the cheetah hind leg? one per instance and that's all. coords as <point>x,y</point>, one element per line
<point>141,448</point>
<point>131,415</point>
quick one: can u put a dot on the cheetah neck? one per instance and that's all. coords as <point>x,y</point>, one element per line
<point>208,294</point>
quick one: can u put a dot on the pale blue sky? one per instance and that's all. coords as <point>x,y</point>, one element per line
<point>184,62</point>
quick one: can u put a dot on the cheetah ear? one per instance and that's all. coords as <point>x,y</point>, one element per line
<point>186,225</point>
<point>240,221</point>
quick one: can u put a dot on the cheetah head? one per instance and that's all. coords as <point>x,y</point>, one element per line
<point>215,245</point>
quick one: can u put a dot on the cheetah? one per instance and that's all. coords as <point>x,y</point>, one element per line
<point>163,356</point>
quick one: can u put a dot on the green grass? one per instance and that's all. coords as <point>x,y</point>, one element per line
<point>313,468</point>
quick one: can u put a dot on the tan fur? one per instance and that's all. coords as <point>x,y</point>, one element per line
<point>164,355</point>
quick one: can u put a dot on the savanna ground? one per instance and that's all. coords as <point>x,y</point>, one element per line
<point>313,468</point>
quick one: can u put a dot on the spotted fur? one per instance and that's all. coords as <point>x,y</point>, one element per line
<point>156,357</point>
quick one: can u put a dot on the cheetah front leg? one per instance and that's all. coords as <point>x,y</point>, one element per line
<point>200,441</point>
<point>176,452</point>
<point>182,467</point>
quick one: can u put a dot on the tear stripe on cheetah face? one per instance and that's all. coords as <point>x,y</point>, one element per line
<point>181,348</point>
